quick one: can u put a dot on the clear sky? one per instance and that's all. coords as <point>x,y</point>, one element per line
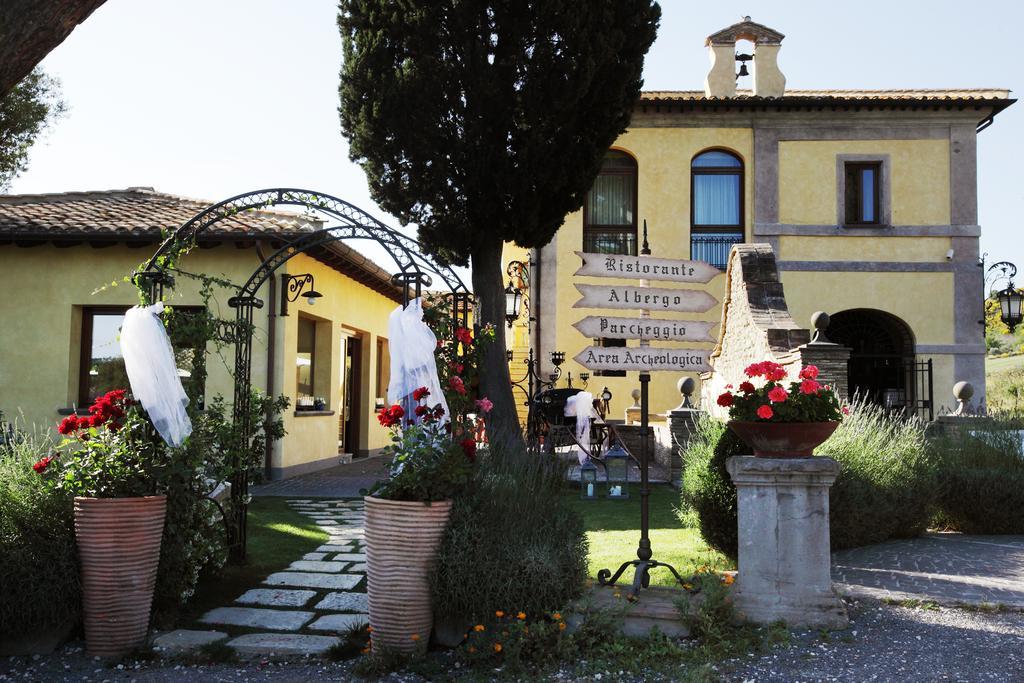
<point>211,98</point>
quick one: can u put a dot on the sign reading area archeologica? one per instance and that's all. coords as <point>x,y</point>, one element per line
<point>644,298</point>
<point>608,327</point>
<point>644,359</point>
<point>645,267</point>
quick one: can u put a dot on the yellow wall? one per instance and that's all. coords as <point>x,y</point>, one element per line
<point>40,332</point>
<point>919,179</point>
<point>852,248</point>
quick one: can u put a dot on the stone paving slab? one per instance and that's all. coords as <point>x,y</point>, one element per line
<point>279,644</point>
<point>335,549</point>
<point>944,568</point>
<point>276,597</point>
<point>358,567</point>
<point>186,640</point>
<point>344,602</point>
<point>338,622</point>
<point>350,557</point>
<point>254,617</point>
<point>314,557</point>
<point>314,580</point>
<point>316,566</point>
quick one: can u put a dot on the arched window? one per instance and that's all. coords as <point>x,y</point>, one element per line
<point>716,206</point>
<point>609,213</point>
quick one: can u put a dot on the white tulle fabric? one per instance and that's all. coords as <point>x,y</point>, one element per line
<point>153,374</point>
<point>412,344</point>
<point>581,406</point>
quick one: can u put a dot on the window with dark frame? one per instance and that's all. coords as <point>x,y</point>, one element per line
<point>101,368</point>
<point>607,343</point>
<point>383,368</point>
<point>863,194</point>
<point>716,206</point>
<point>305,358</point>
<point>609,212</point>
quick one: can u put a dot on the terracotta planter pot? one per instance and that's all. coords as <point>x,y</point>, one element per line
<point>119,546</point>
<point>402,538</point>
<point>783,439</point>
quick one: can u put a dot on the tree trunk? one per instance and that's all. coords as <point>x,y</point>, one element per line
<point>30,29</point>
<point>503,422</point>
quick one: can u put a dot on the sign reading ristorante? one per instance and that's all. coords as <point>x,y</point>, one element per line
<point>645,267</point>
<point>644,359</point>
<point>598,326</point>
<point>647,298</point>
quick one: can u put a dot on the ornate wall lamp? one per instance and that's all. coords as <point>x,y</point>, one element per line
<point>291,290</point>
<point>519,281</point>
<point>1010,298</point>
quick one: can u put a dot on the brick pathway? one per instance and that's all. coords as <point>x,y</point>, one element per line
<point>303,608</point>
<point>944,568</point>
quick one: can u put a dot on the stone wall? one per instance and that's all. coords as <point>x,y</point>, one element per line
<point>756,324</point>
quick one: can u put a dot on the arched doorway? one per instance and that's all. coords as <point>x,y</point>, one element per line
<point>883,367</point>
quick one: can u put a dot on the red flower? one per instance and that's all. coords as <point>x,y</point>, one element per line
<point>391,416</point>
<point>456,368</point>
<point>747,388</point>
<point>43,463</point>
<point>765,412</point>
<point>725,400</point>
<point>457,385</point>
<point>469,448</point>
<point>438,411</point>
<point>464,336</point>
<point>754,370</point>
<point>68,425</point>
<point>778,395</point>
<point>420,394</point>
<point>809,386</point>
<point>774,372</point>
<point>809,372</point>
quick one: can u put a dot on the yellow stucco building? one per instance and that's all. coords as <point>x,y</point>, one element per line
<point>60,253</point>
<point>868,199</point>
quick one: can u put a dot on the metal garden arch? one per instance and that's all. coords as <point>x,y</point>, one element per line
<point>414,271</point>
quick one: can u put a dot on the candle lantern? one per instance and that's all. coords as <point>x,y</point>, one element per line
<point>588,481</point>
<point>616,462</point>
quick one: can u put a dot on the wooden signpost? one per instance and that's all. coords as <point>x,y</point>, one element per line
<point>654,329</point>
<point>644,358</point>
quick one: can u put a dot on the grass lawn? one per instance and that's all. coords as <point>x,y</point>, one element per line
<point>999,365</point>
<point>277,536</point>
<point>613,529</point>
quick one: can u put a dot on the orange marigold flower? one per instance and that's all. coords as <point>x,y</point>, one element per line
<point>561,626</point>
<point>728,579</point>
<point>478,628</point>
<point>497,647</point>
<point>521,616</point>
<point>415,636</point>
<point>556,616</point>
<point>499,614</point>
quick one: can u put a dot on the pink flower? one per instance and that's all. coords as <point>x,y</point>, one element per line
<point>809,386</point>
<point>778,395</point>
<point>456,384</point>
<point>809,372</point>
<point>765,412</point>
<point>846,410</point>
<point>754,370</point>
<point>484,404</point>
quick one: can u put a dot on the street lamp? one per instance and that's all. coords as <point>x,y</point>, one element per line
<point>291,290</point>
<point>1010,299</point>
<point>513,303</point>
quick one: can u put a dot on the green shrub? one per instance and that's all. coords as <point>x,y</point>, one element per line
<point>885,489</point>
<point>982,481</point>
<point>39,581</point>
<point>512,543</point>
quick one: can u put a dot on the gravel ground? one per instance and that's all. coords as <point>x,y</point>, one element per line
<point>884,643</point>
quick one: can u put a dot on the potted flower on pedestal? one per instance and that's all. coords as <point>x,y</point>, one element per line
<point>777,422</point>
<point>110,464</point>
<point>406,516</point>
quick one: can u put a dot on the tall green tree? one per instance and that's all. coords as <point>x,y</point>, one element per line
<point>485,122</point>
<point>25,112</point>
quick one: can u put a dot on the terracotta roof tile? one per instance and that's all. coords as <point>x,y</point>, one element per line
<point>136,212</point>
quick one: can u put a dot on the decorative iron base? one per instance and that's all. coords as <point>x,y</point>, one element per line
<point>641,577</point>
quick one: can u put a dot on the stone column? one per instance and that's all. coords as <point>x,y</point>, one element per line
<point>784,555</point>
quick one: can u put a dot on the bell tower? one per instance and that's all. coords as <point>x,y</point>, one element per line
<point>721,79</point>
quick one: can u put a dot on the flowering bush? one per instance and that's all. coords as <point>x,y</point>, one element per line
<point>806,400</point>
<point>429,460</point>
<point>106,454</point>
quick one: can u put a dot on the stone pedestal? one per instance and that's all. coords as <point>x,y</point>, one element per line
<point>784,554</point>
